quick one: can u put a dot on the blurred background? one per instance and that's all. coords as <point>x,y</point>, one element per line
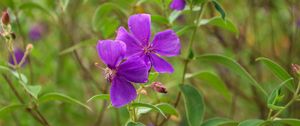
<point>64,34</point>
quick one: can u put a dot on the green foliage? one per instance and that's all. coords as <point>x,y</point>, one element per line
<point>194,105</point>
<point>61,97</point>
<point>232,65</point>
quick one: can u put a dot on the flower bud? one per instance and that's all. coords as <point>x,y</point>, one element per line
<point>29,47</point>
<point>5,18</point>
<point>296,69</point>
<point>158,87</point>
<point>143,92</point>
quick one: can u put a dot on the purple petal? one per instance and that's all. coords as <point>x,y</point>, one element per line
<point>160,65</point>
<point>166,43</point>
<point>140,27</point>
<point>177,4</point>
<point>134,70</point>
<point>121,92</point>
<point>133,46</point>
<point>111,52</point>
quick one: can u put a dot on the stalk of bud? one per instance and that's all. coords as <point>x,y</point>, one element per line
<point>158,87</point>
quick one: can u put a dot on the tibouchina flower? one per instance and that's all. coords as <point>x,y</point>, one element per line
<point>19,54</point>
<point>165,43</point>
<point>177,4</point>
<point>121,73</point>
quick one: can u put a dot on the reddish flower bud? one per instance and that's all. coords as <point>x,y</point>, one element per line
<point>295,69</point>
<point>157,86</point>
<point>5,18</point>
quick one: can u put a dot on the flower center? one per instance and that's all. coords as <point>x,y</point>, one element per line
<point>109,73</point>
<point>147,49</point>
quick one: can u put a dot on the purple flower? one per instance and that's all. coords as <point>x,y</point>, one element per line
<point>19,54</point>
<point>177,5</point>
<point>36,32</point>
<point>121,73</point>
<point>165,43</point>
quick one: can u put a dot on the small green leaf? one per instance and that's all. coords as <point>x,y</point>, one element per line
<point>9,108</point>
<point>130,123</point>
<point>107,25</point>
<point>194,105</point>
<point>290,122</point>
<point>214,81</point>
<point>277,70</point>
<point>230,123</point>
<point>152,76</point>
<point>219,8</point>
<point>34,90</point>
<point>159,19</point>
<point>233,66</point>
<point>100,97</point>
<point>251,122</point>
<point>136,105</point>
<point>20,77</point>
<point>174,15</point>
<point>33,5</point>
<point>276,95</point>
<point>221,23</point>
<point>61,97</point>
<point>167,109</point>
<point>184,29</point>
<point>214,121</point>
<point>81,44</point>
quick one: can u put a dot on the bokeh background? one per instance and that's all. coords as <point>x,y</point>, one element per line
<point>64,34</point>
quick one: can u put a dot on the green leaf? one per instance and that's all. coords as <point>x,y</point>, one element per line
<point>219,8</point>
<point>214,81</point>
<point>34,90</point>
<point>33,5</point>
<point>136,105</point>
<point>174,15</point>
<point>230,123</point>
<point>152,76</point>
<point>194,105</point>
<point>197,1</point>
<point>233,66</point>
<point>159,19</point>
<point>64,4</point>
<point>21,77</point>
<point>130,123</point>
<point>277,70</point>
<point>100,97</point>
<point>251,122</point>
<point>184,29</point>
<point>214,121</point>
<point>61,97</point>
<point>221,23</point>
<point>290,122</point>
<point>81,44</point>
<point>167,109</point>
<point>9,108</point>
<point>276,95</point>
<point>108,25</point>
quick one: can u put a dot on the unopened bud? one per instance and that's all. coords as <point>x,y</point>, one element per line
<point>158,87</point>
<point>296,69</point>
<point>5,18</point>
<point>143,92</point>
<point>29,47</point>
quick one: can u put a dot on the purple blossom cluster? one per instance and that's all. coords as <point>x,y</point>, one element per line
<point>130,57</point>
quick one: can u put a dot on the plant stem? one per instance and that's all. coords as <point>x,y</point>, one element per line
<point>187,60</point>
<point>295,97</point>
